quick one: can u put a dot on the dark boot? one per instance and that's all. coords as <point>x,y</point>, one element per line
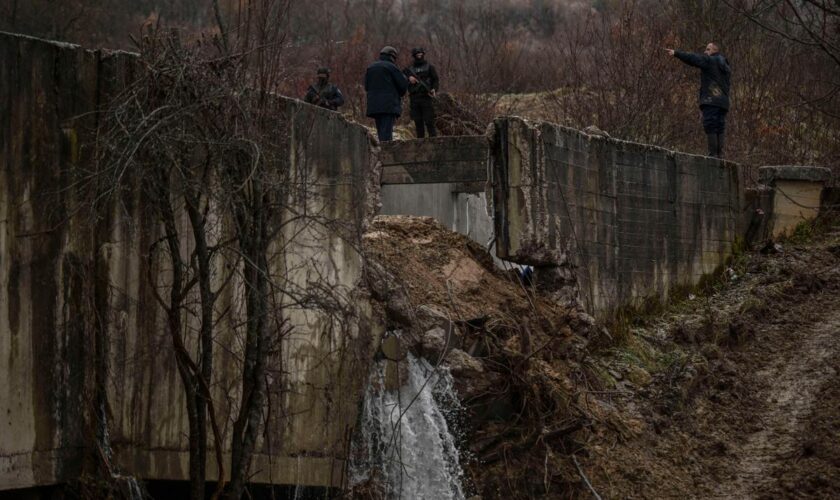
<point>720,145</point>
<point>713,145</point>
<point>430,126</point>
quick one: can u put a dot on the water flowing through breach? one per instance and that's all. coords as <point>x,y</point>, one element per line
<point>405,447</point>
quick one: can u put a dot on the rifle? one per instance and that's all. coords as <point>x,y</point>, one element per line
<point>320,100</point>
<point>431,92</point>
<point>318,97</point>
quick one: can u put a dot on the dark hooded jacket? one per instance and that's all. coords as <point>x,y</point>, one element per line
<point>385,85</point>
<point>715,76</point>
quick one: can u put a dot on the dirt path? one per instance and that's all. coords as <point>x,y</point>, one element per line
<point>755,411</point>
<point>796,378</point>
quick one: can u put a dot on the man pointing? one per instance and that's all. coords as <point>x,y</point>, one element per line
<point>715,76</point>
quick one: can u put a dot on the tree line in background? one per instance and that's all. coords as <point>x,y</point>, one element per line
<point>596,62</point>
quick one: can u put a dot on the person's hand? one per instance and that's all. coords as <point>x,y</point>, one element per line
<point>432,92</point>
<point>670,52</point>
<point>412,80</point>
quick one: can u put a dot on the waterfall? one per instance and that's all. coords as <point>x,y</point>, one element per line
<point>405,445</point>
<point>134,489</point>
<point>129,486</point>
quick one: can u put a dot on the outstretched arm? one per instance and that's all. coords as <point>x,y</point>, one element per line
<point>696,60</point>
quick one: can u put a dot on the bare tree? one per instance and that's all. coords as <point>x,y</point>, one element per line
<point>201,133</point>
<point>811,24</point>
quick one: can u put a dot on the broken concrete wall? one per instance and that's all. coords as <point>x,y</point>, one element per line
<point>457,159</point>
<point>465,213</point>
<point>796,194</point>
<point>442,177</point>
<point>76,303</point>
<point>633,221</point>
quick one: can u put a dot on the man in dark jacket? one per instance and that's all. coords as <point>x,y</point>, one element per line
<point>422,86</point>
<point>715,76</point>
<point>385,85</point>
<point>323,93</point>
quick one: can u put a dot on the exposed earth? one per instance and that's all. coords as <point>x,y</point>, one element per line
<point>732,392</point>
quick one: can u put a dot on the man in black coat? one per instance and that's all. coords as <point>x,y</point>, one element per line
<point>323,93</point>
<point>715,76</point>
<point>385,85</point>
<point>422,86</point>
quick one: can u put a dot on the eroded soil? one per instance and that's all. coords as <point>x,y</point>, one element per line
<point>754,409</point>
<point>732,393</point>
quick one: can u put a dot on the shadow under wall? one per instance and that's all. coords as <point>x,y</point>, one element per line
<point>175,490</point>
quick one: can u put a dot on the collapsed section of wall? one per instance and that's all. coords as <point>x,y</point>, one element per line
<point>444,178</point>
<point>633,221</point>
<point>77,301</point>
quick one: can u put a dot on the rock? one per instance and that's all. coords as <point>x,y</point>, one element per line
<point>586,319</point>
<point>771,247</point>
<point>395,352</point>
<point>461,363</point>
<point>581,322</point>
<point>432,344</point>
<point>427,317</point>
<point>638,375</point>
<point>593,130</point>
<point>392,348</point>
<point>385,288</point>
<point>478,386</point>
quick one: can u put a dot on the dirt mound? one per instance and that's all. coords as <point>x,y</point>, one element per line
<point>452,118</point>
<point>731,393</point>
<point>444,269</point>
<point>514,356</point>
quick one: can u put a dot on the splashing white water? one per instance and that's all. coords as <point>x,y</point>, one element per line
<point>134,489</point>
<point>405,443</point>
<point>130,486</point>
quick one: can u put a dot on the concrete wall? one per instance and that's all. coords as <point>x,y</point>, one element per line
<point>796,193</point>
<point>634,221</point>
<point>627,222</point>
<point>465,213</point>
<point>452,159</point>
<point>74,295</point>
<point>444,178</point>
